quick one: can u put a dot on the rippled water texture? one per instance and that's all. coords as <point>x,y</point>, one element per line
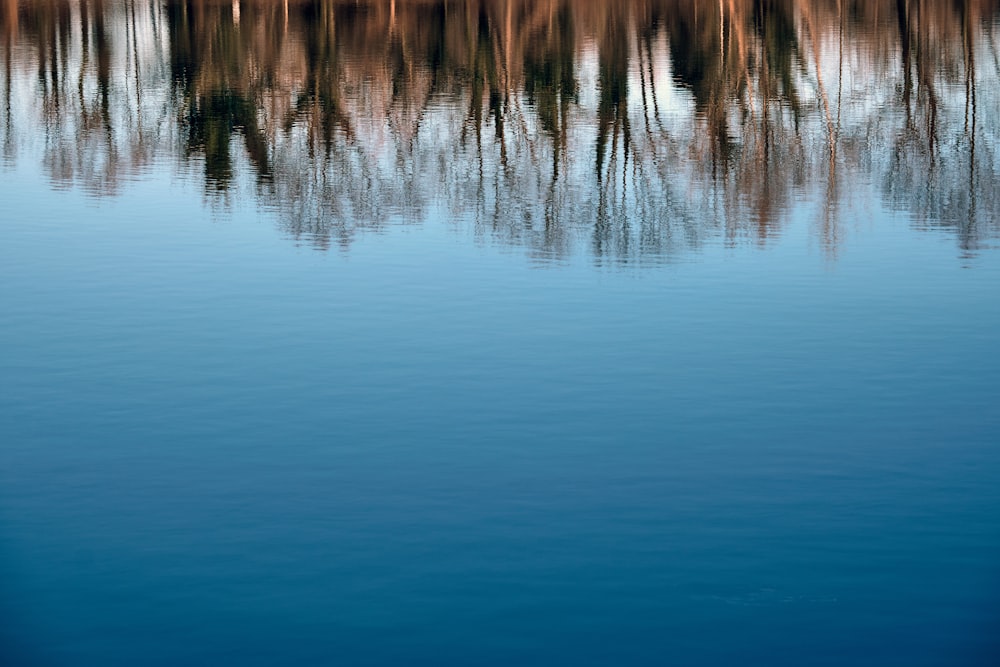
<point>541,332</point>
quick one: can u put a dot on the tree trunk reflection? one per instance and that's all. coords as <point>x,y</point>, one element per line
<point>640,126</point>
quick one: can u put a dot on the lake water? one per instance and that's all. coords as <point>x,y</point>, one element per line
<point>499,333</point>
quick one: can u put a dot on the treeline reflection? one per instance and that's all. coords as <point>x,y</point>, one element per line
<point>637,128</point>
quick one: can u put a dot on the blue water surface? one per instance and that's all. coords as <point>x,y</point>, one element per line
<point>222,447</point>
<point>522,333</point>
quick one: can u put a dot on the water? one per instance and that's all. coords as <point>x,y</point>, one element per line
<point>412,333</point>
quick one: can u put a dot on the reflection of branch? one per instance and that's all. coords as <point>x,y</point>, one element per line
<point>10,31</point>
<point>348,110</point>
<point>831,135</point>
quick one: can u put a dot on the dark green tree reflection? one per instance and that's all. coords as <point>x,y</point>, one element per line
<point>637,129</point>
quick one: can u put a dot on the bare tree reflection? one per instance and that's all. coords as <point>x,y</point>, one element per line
<point>636,128</point>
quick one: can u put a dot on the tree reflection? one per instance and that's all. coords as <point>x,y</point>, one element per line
<point>638,128</point>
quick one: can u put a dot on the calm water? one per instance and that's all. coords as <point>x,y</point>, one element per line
<point>499,333</point>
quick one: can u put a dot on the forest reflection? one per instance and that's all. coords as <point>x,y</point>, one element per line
<point>637,128</point>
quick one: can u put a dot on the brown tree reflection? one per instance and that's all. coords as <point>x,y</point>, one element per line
<point>638,128</point>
